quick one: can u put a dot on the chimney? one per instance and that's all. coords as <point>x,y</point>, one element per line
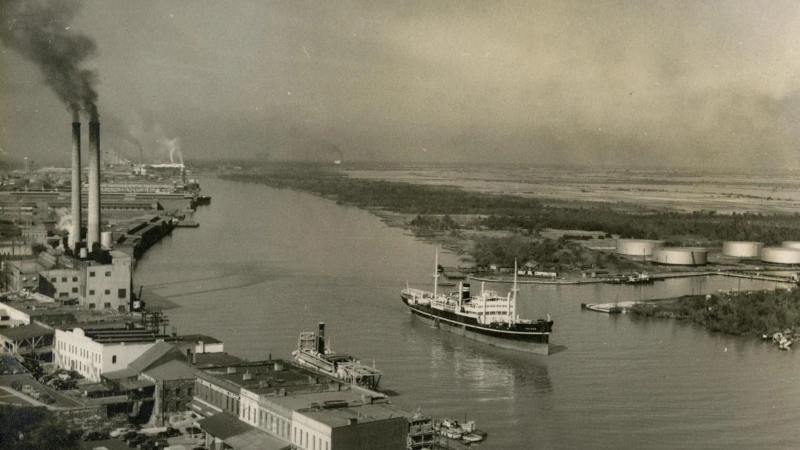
<point>75,230</point>
<point>93,232</point>
<point>321,338</point>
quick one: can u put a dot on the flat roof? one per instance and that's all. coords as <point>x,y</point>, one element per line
<point>340,417</point>
<point>309,399</point>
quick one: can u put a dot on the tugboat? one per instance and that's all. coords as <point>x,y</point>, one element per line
<point>313,352</point>
<point>487,317</point>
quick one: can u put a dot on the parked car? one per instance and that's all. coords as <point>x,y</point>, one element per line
<point>16,385</point>
<point>95,436</point>
<point>46,398</point>
<point>27,389</point>
<point>119,432</point>
<point>169,432</point>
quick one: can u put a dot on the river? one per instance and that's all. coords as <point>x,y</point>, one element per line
<point>266,264</point>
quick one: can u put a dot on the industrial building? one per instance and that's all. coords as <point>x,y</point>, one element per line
<point>780,255</point>
<point>742,249</point>
<point>637,247</point>
<point>680,256</point>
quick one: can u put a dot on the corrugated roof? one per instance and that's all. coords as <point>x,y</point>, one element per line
<point>25,332</point>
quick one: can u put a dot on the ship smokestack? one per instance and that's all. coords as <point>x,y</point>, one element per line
<point>321,338</point>
<point>75,229</point>
<point>93,231</point>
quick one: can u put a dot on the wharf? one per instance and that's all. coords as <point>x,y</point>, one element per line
<point>655,277</point>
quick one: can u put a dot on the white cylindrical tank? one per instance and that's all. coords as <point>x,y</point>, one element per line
<point>742,249</point>
<point>780,255</point>
<point>637,247</point>
<point>790,244</point>
<point>680,256</point>
<point>106,240</point>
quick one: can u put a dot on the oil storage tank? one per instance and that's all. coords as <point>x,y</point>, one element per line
<point>780,255</point>
<point>680,256</point>
<point>637,247</point>
<point>742,249</point>
<point>791,244</point>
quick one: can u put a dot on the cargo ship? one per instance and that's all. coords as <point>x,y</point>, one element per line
<point>487,317</point>
<point>313,352</point>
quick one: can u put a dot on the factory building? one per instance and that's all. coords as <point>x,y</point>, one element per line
<point>780,255</point>
<point>742,249</point>
<point>637,247</point>
<point>95,285</point>
<point>680,256</point>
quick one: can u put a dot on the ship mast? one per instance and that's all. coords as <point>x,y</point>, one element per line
<point>512,306</point>
<point>436,273</point>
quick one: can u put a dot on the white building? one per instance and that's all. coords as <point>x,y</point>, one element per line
<point>74,350</point>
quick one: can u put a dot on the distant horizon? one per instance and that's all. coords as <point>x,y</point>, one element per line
<point>15,164</point>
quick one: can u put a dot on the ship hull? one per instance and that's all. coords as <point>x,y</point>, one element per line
<point>529,342</point>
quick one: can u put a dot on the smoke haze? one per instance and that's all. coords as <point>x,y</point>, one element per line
<point>40,31</point>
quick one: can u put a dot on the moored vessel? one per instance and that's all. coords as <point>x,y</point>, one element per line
<point>486,317</point>
<point>314,353</point>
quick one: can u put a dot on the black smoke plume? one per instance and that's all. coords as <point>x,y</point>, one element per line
<point>40,31</point>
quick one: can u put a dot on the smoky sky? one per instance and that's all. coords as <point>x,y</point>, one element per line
<point>40,31</point>
<point>607,83</point>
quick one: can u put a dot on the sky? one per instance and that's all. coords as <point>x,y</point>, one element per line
<point>661,84</point>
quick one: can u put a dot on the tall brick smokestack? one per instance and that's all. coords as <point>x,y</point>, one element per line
<point>93,229</point>
<point>75,230</point>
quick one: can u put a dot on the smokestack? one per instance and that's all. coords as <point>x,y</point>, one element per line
<point>321,338</point>
<point>93,232</point>
<point>75,230</point>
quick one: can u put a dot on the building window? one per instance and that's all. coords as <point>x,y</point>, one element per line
<point>122,293</point>
<point>107,305</point>
<point>53,280</point>
<point>108,274</point>
<point>75,290</point>
<point>91,291</point>
<point>108,291</point>
<point>63,294</point>
<point>113,359</point>
<point>91,274</point>
<point>74,278</point>
<point>63,279</point>
<point>91,305</point>
<point>189,392</point>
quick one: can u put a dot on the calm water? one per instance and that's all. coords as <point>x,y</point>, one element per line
<point>266,264</point>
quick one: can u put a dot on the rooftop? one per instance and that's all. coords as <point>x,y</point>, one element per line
<point>349,396</point>
<point>262,378</point>
<point>25,332</point>
<point>341,417</point>
<point>171,370</point>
